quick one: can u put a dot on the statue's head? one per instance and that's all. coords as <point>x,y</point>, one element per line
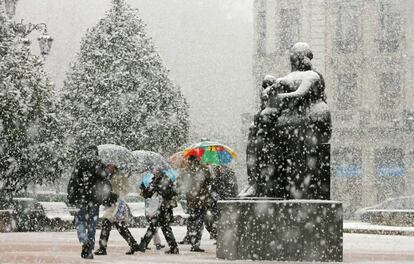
<point>268,80</point>
<point>300,57</point>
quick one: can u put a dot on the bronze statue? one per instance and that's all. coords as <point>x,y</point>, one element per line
<point>288,152</point>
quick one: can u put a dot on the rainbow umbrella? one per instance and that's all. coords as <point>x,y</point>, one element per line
<point>209,152</point>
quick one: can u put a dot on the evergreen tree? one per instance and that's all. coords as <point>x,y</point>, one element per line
<point>118,91</point>
<point>30,137</point>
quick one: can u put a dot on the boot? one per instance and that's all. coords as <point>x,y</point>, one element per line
<point>196,249</point>
<point>104,237</point>
<point>135,247</point>
<point>126,234</point>
<point>172,251</point>
<point>100,251</point>
<point>86,252</point>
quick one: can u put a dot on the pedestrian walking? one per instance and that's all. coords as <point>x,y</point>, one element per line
<point>88,188</point>
<point>117,214</point>
<point>162,194</point>
<point>198,197</point>
<point>224,187</point>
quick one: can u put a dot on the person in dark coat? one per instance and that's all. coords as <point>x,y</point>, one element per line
<point>88,188</point>
<point>163,186</point>
<point>198,197</point>
<point>117,214</point>
<point>225,183</point>
<point>224,187</point>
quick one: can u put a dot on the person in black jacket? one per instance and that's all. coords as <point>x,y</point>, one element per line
<point>163,186</point>
<point>88,188</point>
<point>118,214</point>
<point>224,187</point>
<point>198,199</point>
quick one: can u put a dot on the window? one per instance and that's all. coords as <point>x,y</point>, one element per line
<point>389,90</point>
<point>409,120</point>
<point>347,162</point>
<point>347,91</point>
<point>390,29</point>
<point>289,28</point>
<point>347,29</point>
<point>389,162</point>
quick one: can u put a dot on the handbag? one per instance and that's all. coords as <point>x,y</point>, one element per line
<point>153,205</point>
<point>121,211</point>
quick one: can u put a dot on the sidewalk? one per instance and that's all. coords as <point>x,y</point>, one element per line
<point>63,247</point>
<point>367,228</point>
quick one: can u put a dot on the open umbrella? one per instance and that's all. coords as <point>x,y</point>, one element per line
<point>149,160</point>
<point>209,152</point>
<point>147,178</point>
<point>120,156</point>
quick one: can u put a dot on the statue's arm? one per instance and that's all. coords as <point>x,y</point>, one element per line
<point>271,94</point>
<point>309,78</point>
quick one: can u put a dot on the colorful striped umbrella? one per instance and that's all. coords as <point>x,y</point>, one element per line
<point>209,152</point>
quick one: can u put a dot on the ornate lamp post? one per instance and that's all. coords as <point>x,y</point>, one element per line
<point>45,41</point>
<point>45,44</point>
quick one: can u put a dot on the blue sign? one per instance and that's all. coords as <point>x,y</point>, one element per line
<point>391,171</point>
<point>351,170</point>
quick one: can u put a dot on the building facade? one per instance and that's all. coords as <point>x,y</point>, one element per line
<point>364,50</point>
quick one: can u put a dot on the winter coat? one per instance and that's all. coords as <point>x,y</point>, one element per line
<point>225,184</point>
<point>182,183</point>
<point>198,195</point>
<point>164,187</point>
<point>121,187</point>
<point>88,184</point>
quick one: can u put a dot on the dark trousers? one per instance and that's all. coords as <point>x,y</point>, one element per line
<point>122,229</point>
<point>195,225</point>
<point>211,219</point>
<point>85,224</point>
<point>186,238</point>
<point>163,220</point>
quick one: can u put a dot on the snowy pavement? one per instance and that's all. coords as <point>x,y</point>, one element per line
<point>367,228</point>
<point>62,247</point>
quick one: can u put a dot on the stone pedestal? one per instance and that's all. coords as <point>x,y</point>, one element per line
<point>284,230</point>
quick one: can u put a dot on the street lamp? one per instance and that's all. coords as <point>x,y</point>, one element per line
<point>45,41</point>
<point>45,44</point>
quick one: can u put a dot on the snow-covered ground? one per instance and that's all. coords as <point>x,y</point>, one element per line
<point>62,247</point>
<point>367,228</point>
